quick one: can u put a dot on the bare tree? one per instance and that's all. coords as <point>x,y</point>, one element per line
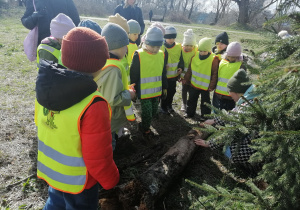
<point>222,5</point>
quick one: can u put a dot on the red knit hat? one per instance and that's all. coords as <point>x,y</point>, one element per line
<point>84,50</point>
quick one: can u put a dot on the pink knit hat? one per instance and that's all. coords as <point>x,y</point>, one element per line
<point>234,49</point>
<point>61,25</point>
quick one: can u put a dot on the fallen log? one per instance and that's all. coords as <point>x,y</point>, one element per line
<point>143,192</point>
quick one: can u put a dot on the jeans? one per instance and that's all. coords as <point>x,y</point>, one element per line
<point>87,200</point>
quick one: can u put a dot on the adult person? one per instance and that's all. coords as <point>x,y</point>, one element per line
<point>129,10</point>
<point>45,12</point>
<point>150,15</point>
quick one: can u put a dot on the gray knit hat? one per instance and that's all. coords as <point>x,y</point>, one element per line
<point>171,32</point>
<point>134,27</point>
<point>239,82</point>
<point>154,37</point>
<point>116,37</point>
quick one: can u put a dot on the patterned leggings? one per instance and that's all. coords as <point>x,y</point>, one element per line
<point>149,110</point>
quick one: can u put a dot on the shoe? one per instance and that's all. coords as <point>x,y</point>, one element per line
<point>170,109</point>
<point>164,111</point>
<point>183,107</point>
<point>187,116</point>
<point>148,134</point>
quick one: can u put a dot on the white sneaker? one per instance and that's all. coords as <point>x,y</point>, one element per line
<point>183,107</point>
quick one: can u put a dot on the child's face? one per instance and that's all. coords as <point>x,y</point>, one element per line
<point>133,37</point>
<point>232,59</point>
<point>152,49</point>
<point>170,41</point>
<point>220,46</point>
<point>202,53</point>
<point>188,48</point>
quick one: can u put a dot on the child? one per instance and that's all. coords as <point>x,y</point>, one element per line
<point>227,67</point>
<point>134,31</point>
<point>148,72</point>
<point>199,74</point>
<point>49,49</point>
<point>112,80</point>
<point>174,67</point>
<point>221,42</point>
<point>75,152</point>
<point>121,21</point>
<point>189,50</point>
<point>90,24</point>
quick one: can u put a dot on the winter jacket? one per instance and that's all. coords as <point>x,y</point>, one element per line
<point>110,85</point>
<point>59,89</point>
<point>47,10</point>
<point>135,73</point>
<point>131,12</point>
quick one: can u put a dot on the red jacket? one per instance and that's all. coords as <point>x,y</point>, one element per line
<point>97,148</point>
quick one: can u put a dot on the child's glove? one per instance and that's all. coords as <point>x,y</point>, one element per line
<point>164,94</point>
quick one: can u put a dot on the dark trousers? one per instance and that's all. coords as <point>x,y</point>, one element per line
<point>170,94</point>
<point>223,103</point>
<point>149,110</point>
<point>184,92</point>
<point>193,100</point>
<point>87,199</point>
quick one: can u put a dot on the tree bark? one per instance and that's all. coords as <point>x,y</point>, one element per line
<point>243,11</point>
<point>191,10</point>
<point>144,191</point>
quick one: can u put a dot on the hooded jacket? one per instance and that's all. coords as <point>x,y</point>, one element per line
<point>58,89</point>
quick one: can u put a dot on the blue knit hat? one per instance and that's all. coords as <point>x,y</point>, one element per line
<point>134,27</point>
<point>154,37</point>
<point>90,24</point>
<point>116,37</point>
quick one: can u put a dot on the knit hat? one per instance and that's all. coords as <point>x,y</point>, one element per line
<point>84,50</point>
<point>90,24</point>
<point>116,37</point>
<point>61,25</point>
<point>158,25</point>
<point>223,38</point>
<point>119,20</point>
<point>154,37</point>
<point>239,82</point>
<point>205,44</point>
<point>189,38</point>
<point>170,33</point>
<point>234,49</point>
<point>134,27</point>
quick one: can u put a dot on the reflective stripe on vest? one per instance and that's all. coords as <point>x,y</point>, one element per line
<point>119,64</point>
<point>60,161</point>
<point>151,69</point>
<point>187,57</point>
<point>201,71</point>
<point>174,54</point>
<point>226,71</point>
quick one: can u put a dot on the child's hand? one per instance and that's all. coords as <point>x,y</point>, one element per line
<point>132,94</point>
<point>183,81</point>
<point>209,122</point>
<point>167,66</point>
<point>179,71</point>
<point>201,143</point>
<point>131,87</point>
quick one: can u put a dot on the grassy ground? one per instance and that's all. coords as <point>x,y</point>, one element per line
<point>19,186</point>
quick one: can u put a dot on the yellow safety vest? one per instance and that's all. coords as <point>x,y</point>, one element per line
<point>132,47</point>
<point>187,57</point>
<point>60,162</point>
<point>151,69</point>
<point>201,71</point>
<point>174,54</point>
<point>226,71</point>
<point>117,63</point>
<point>55,52</point>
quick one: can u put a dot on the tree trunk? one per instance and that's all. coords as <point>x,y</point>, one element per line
<point>243,12</point>
<point>217,13</point>
<point>144,191</point>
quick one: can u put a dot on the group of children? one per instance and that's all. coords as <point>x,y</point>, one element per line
<point>88,78</point>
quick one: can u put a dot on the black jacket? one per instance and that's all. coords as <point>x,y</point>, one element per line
<point>47,10</point>
<point>58,89</point>
<point>130,12</point>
